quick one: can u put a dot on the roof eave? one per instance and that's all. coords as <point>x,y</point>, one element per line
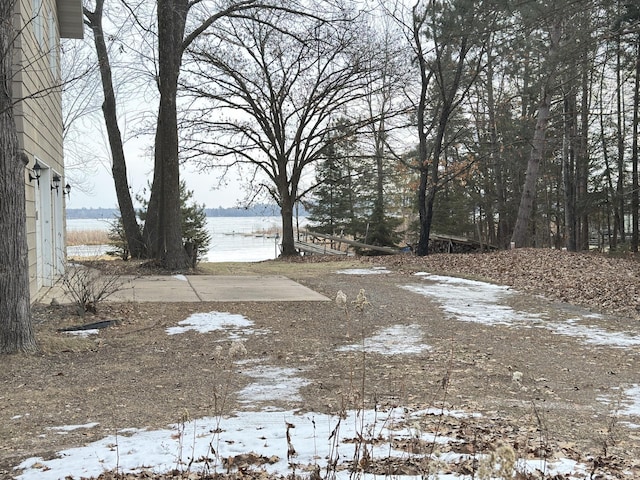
<point>70,18</point>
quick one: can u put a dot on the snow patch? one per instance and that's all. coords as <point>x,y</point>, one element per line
<point>364,271</point>
<point>594,335</point>
<point>273,383</point>
<point>480,302</point>
<point>316,438</point>
<point>208,322</point>
<point>470,300</point>
<point>83,333</point>
<point>624,403</point>
<point>263,433</point>
<point>64,429</point>
<point>632,402</point>
<point>395,340</point>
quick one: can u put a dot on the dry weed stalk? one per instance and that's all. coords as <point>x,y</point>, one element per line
<point>544,446</point>
<point>355,397</point>
<point>608,438</point>
<point>223,360</point>
<point>341,301</point>
<point>222,374</point>
<point>499,463</point>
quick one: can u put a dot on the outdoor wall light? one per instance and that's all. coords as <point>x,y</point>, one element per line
<point>56,183</point>
<point>36,171</point>
<point>67,190</point>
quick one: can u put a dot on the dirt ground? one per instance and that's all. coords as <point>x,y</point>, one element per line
<point>135,375</point>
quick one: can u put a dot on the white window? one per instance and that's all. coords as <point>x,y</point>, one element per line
<point>38,27</point>
<point>53,46</point>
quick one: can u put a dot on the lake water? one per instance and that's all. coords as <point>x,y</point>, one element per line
<point>233,239</point>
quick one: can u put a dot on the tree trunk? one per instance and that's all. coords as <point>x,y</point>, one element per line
<point>502,236</point>
<point>429,190</point>
<point>448,89</point>
<point>520,232</point>
<point>288,248</point>
<point>152,227</point>
<point>119,167</point>
<point>16,331</point>
<point>582,159</point>
<point>620,133</point>
<point>422,248</point>
<point>525,210</point>
<point>172,16</point>
<point>634,151</point>
<point>568,171</point>
<point>609,185</point>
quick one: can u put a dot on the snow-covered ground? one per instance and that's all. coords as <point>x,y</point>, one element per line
<point>480,302</point>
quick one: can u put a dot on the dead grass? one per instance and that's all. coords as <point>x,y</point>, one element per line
<point>87,237</point>
<point>52,343</point>
<point>290,268</point>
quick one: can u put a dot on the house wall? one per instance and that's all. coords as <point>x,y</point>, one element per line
<point>38,116</point>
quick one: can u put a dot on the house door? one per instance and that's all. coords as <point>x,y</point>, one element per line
<point>45,228</point>
<point>39,257</point>
<point>57,197</point>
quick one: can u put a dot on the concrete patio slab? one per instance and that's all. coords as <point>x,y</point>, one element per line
<point>156,289</point>
<point>251,288</point>
<point>202,288</point>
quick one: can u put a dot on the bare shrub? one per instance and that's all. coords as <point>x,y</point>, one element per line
<point>88,287</point>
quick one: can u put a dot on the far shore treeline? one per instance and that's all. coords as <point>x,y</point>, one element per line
<point>262,210</point>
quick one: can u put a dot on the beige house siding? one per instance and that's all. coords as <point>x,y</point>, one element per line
<point>39,122</point>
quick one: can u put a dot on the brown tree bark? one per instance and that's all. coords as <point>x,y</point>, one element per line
<point>502,235</point>
<point>582,163</point>
<point>164,205</point>
<point>422,248</point>
<point>119,166</point>
<point>16,331</point>
<point>619,227</point>
<point>635,184</point>
<point>286,212</point>
<point>520,231</point>
<point>569,170</point>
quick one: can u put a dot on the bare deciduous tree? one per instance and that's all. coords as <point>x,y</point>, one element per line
<point>274,82</point>
<point>449,40</point>
<point>109,109</point>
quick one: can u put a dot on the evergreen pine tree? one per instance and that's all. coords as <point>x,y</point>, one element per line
<point>196,239</point>
<point>338,206</point>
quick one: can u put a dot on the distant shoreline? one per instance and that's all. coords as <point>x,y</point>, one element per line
<point>263,210</point>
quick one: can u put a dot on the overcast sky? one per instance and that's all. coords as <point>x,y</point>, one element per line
<point>98,191</point>
<point>88,171</point>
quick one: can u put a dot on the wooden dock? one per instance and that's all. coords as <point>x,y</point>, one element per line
<point>317,248</point>
<point>453,244</point>
<point>323,244</point>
